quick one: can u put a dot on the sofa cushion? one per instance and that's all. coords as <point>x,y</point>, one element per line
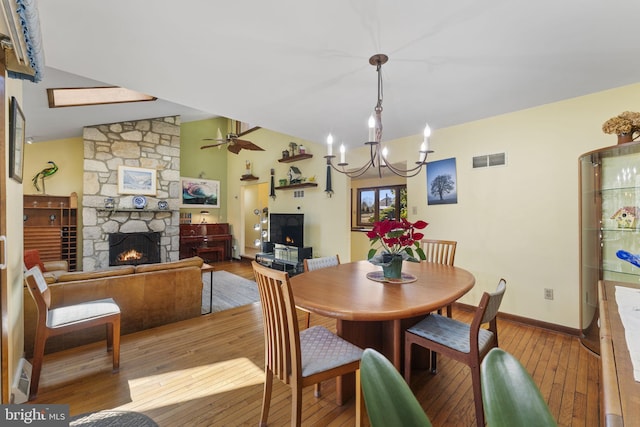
<point>187,262</point>
<point>32,258</point>
<point>85,275</point>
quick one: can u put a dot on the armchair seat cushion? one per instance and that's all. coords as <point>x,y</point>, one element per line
<point>450,332</point>
<point>322,350</point>
<point>70,314</point>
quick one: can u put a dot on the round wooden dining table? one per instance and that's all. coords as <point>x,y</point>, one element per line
<point>375,314</point>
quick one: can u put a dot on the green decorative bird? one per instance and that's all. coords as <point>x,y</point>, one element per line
<point>48,171</point>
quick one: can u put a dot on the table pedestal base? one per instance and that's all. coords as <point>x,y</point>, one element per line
<point>387,337</point>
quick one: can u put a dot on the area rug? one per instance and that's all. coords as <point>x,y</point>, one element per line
<point>229,291</point>
<point>112,419</point>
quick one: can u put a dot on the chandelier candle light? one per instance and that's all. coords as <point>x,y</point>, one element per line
<point>378,154</point>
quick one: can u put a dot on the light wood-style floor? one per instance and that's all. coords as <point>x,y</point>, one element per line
<point>208,371</point>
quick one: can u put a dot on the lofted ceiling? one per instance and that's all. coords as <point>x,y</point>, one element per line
<point>301,68</point>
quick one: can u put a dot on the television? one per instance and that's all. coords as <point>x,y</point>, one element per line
<point>286,229</point>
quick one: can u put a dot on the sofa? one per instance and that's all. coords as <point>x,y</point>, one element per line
<point>149,295</point>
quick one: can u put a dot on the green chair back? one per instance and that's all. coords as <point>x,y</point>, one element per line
<point>509,395</point>
<point>389,400</point>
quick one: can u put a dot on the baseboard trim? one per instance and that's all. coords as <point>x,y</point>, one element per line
<point>526,321</point>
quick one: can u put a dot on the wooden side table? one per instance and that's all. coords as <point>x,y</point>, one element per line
<point>208,268</point>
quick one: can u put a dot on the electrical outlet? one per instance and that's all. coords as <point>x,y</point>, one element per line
<point>548,293</point>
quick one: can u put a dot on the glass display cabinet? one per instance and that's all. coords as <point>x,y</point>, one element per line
<point>609,227</point>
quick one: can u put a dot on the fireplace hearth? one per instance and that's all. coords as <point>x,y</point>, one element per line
<point>134,248</point>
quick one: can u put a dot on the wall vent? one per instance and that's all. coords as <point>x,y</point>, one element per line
<point>490,160</point>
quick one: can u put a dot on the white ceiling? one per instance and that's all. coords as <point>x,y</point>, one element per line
<point>301,67</point>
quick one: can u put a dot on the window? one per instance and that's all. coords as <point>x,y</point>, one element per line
<point>379,203</point>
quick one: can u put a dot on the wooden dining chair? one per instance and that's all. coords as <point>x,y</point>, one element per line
<point>440,252</point>
<point>460,341</point>
<point>314,264</point>
<point>298,358</point>
<point>60,320</point>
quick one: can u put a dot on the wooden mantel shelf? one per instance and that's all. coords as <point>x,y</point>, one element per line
<point>295,158</point>
<point>294,186</point>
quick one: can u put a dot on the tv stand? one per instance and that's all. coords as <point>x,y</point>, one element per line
<point>285,258</point>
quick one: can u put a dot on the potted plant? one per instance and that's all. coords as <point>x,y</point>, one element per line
<point>398,241</point>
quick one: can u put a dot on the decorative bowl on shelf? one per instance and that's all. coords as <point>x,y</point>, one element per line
<point>139,202</point>
<point>163,205</point>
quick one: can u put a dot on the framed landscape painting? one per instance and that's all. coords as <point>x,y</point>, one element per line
<point>442,186</point>
<point>132,180</point>
<point>198,192</point>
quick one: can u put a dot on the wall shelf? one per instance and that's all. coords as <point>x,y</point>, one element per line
<point>295,186</point>
<point>248,178</point>
<point>295,158</point>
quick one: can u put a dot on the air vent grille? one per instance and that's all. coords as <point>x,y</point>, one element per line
<point>490,160</point>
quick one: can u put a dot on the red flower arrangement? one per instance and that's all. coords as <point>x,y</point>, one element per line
<point>397,238</point>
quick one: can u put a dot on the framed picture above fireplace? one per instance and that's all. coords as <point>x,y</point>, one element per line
<point>198,192</point>
<point>132,180</point>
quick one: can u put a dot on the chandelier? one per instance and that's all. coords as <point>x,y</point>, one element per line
<point>378,153</point>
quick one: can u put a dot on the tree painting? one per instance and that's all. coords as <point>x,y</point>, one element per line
<point>442,185</point>
<point>441,182</point>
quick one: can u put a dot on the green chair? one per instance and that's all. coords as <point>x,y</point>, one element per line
<point>387,396</point>
<point>509,395</point>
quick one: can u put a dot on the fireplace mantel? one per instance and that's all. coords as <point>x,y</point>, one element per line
<point>134,210</point>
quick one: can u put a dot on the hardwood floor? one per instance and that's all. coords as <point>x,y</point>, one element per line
<point>208,371</point>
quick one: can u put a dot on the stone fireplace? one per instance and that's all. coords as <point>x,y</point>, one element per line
<point>150,144</point>
<point>134,248</point>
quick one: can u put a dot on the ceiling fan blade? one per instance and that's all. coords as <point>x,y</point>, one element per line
<point>234,148</point>
<point>215,139</point>
<point>248,145</point>
<point>213,145</point>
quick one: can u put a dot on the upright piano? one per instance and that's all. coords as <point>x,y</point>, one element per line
<point>212,242</point>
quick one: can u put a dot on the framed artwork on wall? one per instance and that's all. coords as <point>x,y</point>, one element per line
<point>16,140</point>
<point>198,192</point>
<point>132,180</point>
<point>442,186</point>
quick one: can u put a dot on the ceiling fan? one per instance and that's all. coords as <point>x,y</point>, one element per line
<point>233,143</point>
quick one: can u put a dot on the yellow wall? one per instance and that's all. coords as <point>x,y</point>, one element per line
<point>327,221</point>
<point>209,163</point>
<point>520,222</point>
<point>68,154</point>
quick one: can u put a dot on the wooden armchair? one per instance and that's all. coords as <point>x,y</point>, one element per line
<point>460,341</point>
<point>57,321</point>
<point>298,358</point>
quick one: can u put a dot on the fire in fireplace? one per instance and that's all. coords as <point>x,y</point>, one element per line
<point>134,248</point>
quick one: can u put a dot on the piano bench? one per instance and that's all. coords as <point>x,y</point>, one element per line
<point>206,251</point>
